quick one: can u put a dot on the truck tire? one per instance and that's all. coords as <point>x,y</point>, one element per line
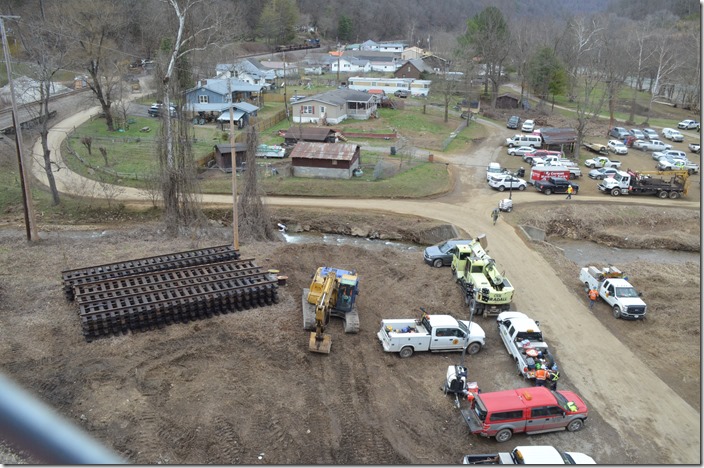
<point>615,192</point>
<point>548,191</point>
<point>617,312</point>
<point>662,194</point>
<point>521,188</point>
<point>504,435</point>
<point>575,425</point>
<point>406,352</point>
<point>437,263</point>
<point>674,195</point>
<point>474,348</point>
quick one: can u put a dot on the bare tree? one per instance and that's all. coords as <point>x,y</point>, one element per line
<point>665,62</point>
<point>579,38</point>
<point>254,220</point>
<point>97,25</point>
<point>46,46</point>
<point>639,54</point>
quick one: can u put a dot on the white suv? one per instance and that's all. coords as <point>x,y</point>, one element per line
<point>617,147</point>
<point>672,134</point>
<point>502,182</point>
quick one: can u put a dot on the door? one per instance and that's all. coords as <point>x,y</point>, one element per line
<point>538,418</point>
<point>555,418</point>
<point>447,339</point>
<point>609,291</point>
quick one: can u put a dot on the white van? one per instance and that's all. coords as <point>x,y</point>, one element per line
<point>492,168</point>
<point>534,141</point>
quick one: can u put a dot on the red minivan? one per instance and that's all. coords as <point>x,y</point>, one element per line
<point>532,410</point>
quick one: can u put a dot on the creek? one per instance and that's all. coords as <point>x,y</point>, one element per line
<point>585,253</point>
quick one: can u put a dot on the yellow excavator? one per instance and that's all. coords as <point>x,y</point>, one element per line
<point>333,292</point>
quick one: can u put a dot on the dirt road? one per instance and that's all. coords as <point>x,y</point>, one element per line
<point>615,382</point>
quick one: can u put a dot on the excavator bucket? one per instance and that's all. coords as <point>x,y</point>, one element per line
<point>320,346</point>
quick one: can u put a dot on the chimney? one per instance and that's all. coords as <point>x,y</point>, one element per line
<point>203,82</point>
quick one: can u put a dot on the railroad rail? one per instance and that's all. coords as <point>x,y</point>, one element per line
<point>152,292</point>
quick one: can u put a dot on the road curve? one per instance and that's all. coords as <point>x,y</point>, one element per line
<point>615,382</point>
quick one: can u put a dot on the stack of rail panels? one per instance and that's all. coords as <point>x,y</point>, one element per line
<point>149,293</point>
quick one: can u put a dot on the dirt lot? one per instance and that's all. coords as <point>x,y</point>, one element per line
<point>244,389</point>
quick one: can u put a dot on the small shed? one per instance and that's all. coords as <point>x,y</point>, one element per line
<point>563,139</point>
<point>311,134</point>
<point>223,156</point>
<point>506,101</point>
<point>323,160</point>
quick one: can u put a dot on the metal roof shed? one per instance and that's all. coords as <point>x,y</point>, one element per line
<point>559,138</point>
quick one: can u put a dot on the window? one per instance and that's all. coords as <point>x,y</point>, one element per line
<point>538,412</point>
<point>203,99</point>
<point>322,110</point>
<point>307,109</point>
<point>555,411</point>
<point>502,416</point>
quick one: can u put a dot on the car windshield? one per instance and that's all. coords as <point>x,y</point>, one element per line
<point>562,401</point>
<point>626,292</point>
<point>445,246</point>
<point>568,459</point>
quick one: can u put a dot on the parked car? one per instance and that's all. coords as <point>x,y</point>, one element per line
<point>669,153</point>
<point>528,126</point>
<point>650,134</point>
<point>602,173</point>
<point>694,147</point>
<point>619,133</point>
<point>402,93</point>
<point>156,109</point>
<point>672,134</point>
<point>637,134</point>
<point>441,254</point>
<point>688,125</point>
<point>502,182</point>
<point>297,97</point>
<point>521,150</point>
<point>513,122</point>
<point>616,146</point>
<point>651,145</point>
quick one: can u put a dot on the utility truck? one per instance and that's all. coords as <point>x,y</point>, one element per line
<point>486,290</point>
<point>647,183</point>
<point>436,333</point>
<point>523,340</point>
<point>614,288</point>
<point>530,455</point>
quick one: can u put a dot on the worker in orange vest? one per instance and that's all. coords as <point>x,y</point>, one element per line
<point>541,376</point>
<point>593,296</point>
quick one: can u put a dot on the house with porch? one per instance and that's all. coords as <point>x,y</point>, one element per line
<point>215,91</point>
<point>333,107</point>
<point>248,70</point>
<point>412,69</point>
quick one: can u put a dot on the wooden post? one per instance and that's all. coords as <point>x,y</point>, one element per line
<point>233,157</point>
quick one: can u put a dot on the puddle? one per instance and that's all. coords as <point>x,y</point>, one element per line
<point>341,239</point>
<point>586,253</point>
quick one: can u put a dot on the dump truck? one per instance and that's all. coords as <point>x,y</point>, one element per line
<point>487,291</point>
<point>664,184</point>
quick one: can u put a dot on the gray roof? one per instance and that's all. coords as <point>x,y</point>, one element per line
<point>339,97</point>
<point>225,116</point>
<point>225,148</point>
<point>558,136</point>
<point>219,86</point>
<point>246,107</point>
<point>209,107</point>
<point>308,133</point>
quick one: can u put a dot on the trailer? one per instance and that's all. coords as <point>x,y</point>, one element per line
<point>647,183</point>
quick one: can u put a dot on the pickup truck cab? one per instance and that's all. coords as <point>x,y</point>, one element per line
<point>555,185</point>
<point>615,290</point>
<point>532,410</point>
<point>437,333</point>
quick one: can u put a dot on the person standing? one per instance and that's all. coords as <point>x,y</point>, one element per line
<point>553,377</point>
<point>495,215</point>
<point>593,296</point>
<point>569,192</point>
<point>541,376</point>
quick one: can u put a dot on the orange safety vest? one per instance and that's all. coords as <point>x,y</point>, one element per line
<point>541,374</point>
<point>593,294</point>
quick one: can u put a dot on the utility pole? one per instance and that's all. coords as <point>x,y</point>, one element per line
<point>24,181</point>
<point>233,158</point>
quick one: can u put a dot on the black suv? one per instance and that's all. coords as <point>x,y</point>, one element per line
<point>513,122</point>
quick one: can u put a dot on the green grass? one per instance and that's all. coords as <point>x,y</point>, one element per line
<point>469,134</point>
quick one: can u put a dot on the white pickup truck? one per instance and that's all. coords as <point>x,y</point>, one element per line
<point>615,290</point>
<point>602,161</point>
<point>530,455</point>
<point>524,342</point>
<point>437,333</point>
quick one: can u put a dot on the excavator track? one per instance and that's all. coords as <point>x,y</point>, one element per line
<point>150,293</point>
<point>352,321</point>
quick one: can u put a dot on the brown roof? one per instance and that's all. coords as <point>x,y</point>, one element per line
<point>337,151</point>
<point>557,136</point>
<point>309,133</point>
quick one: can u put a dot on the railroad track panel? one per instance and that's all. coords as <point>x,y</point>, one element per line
<point>71,278</point>
<point>154,292</point>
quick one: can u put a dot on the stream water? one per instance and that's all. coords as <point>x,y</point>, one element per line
<point>583,253</point>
